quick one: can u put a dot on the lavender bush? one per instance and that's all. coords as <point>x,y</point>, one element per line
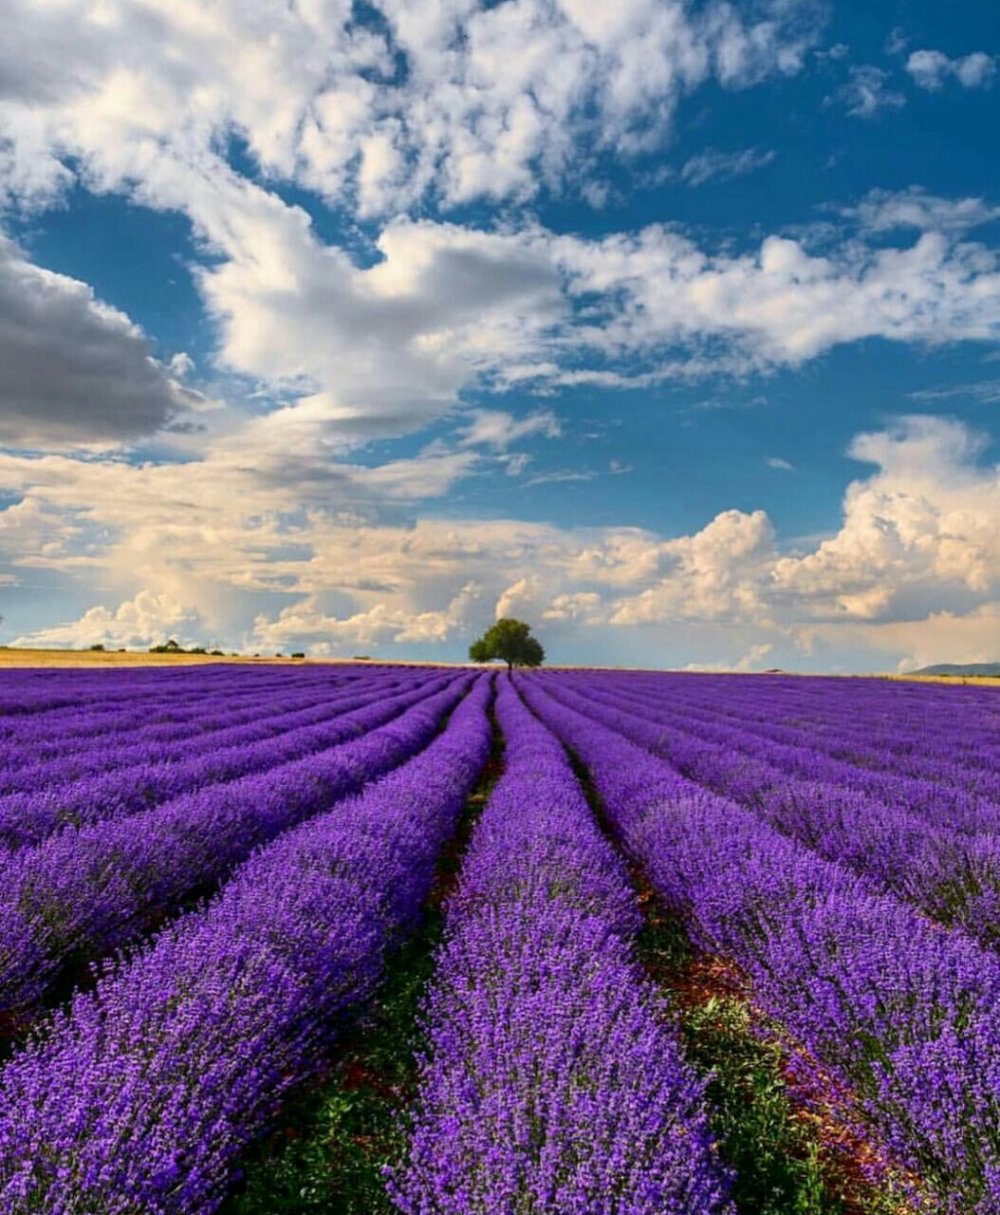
<point>90,891</point>
<point>553,1085</point>
<point>140,1097</point>
<point>903,1013</point>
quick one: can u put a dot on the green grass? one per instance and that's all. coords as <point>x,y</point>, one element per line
<point>774,1153</point>
<point>337,1135</point>
<point>783,1165</point>
<point>777,1160</point>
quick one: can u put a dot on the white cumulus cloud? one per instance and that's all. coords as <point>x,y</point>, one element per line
<point>147,619</point>
<point>453,100</point>
<point>931,69</point>
<point>220,550</point>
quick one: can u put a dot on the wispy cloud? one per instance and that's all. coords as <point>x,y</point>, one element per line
<point>565,476</point>
<point>883,210</point>
<point>984,392</point>
<point>778,463</point>
<point>867,93</point>
<point>497,429</point>
<point>712,164</point>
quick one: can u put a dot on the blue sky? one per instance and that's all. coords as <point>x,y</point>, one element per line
<point>672,328</point>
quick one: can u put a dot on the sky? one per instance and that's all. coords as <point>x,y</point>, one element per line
<point>672,328</point>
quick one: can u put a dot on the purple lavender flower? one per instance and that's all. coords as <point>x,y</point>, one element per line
<point>900,1010</point>
<point>88,891</point>
<point>553,1084</point>
<point>141,1096</point>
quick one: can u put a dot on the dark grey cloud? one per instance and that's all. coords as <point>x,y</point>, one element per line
<point>72,369</point>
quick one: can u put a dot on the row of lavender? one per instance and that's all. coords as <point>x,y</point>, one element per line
<point>87,890</point>
<point>929,842</point>
<point>98,744</point>
<point>143,1093</point>
<point>62,793</point>
<point>905,1015</point>
<point>933,731</point>
<point>864,743</point>
<point>27,692</point>
<point>553,1082</point>
<point>119,723</point>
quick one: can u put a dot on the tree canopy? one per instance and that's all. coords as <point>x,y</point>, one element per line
<point>511,641</point>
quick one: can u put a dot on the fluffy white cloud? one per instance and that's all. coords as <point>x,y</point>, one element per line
<point>452,98</point>
<point>940,637</point>
<point>781,304</point>
<point>74,370</point>
<point>378,350</point>
<point>369,351</point>
<point>145,620</point>
<point>930,69</point>
<point>449,101</point>
<point>361,352</point>
<point>920,535</point>
<point>719,573</point>
<point>228,550</point>
<point>306,623</point>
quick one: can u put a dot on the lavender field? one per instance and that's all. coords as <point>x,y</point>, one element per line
<point>447,941</point>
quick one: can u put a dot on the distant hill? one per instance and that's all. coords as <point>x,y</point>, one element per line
<point>955,668</point>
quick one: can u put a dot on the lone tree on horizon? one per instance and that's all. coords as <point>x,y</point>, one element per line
<point>511,641</point>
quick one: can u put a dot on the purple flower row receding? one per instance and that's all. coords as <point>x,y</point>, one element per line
<point>215,723</point>
<point>141,1096</point>
<point>167,714</point>
<point>57,694</point>
<point>29,818</point>
<point>962,792</point>
<point>945,861</point>
<point>901,1012</point>
<point>878,728</point>
<point>553,1084</point>
<point>88,891</point>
